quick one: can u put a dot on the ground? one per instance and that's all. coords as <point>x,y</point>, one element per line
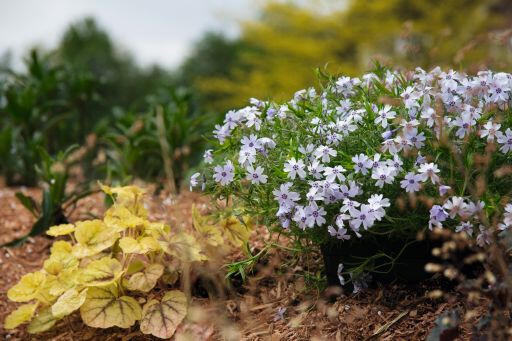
<point>245,312</point>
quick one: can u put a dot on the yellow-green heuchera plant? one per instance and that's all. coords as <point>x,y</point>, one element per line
<point>104,270</point>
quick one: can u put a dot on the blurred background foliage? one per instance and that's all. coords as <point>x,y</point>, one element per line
<point>49,106</point>
<point>149,122</point>
<point>86,47</point>
<point>137,144</point>
<point>287,41</point>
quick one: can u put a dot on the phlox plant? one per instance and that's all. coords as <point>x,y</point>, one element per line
<point>366,161</point>
<point>104,267</point>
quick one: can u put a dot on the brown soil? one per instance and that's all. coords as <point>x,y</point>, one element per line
<point>245,313</point>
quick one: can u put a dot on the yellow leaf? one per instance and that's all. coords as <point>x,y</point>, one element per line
<point>101,272</point>
<point>43,321</point>
<point>59,262</point>
<point>162,318</point>
<point>197,219</point>
<point>27,288</point>
<point>21,315</point>
<point>149,244</point>
<point>103,308</point>
<point>158,230</point>
<point>61,258</point>
<point>43,293</point>
<point>210,233</point>
<point>237,231</point>
<point>141,245</point>
<point>158,227</point>
<point>129,245</point>
<point>68,302</point>
<point>135,266</point>
<point>61,246</point>
<point>170,278</point>
<point>61,230</point>
<point>183,246</point>
<point>52,267</point>
<point>120,218</point>
<point>145,280</point>
<point>64,281</point>
<point>93,236</point>
<point>129,197</point>
<point>124,193</point>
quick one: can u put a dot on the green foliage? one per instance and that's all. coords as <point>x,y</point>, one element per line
<point>66,96</point>
<point>138,144</point>
<point>54,173</point>
<point>87,47</point>
<point>289,39</point>
<point>213,56</point>
<point>46,107</point>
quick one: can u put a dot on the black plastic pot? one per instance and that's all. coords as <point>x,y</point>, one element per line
<point>408,267</point>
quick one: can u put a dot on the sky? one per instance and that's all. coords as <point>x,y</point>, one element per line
<point>155,31</point>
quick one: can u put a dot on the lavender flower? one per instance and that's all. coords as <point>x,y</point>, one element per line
<point>411,182</point>
<point>295,167</point>
<point>506,141</point>
<point>224,174</point>
<point>256,176</point>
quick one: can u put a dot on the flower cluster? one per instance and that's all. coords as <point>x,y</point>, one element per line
<point>337,161</point>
